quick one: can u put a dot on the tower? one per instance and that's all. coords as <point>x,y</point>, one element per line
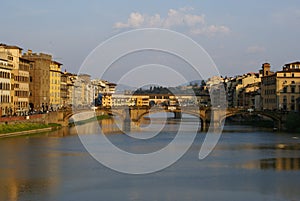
<point>266,69</point>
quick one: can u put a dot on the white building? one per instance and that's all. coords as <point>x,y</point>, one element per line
<point>6,103</point>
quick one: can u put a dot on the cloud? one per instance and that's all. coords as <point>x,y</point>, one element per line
<point>174,18</point>
<point>195,24</point>
<point>186,8</point>
<point>211,30</point>
<point>255,49</point>
<point>135,20</point>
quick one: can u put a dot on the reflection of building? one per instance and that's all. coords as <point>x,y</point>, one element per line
<point>280,164</point>
<point>19,181</point>
<point>109,126</point>
<point>281,90</point>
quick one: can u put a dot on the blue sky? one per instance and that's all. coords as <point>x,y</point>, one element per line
<point>238,35</point>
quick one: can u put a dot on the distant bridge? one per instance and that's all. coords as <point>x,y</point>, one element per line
<point>209,116</point>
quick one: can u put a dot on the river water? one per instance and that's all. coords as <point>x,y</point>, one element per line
<point>247,164</point>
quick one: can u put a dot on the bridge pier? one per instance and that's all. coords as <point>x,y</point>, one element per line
<point>177,115</point>
<point>278,125</point>
<point>126,125</point>
<point>127,120</point>
<point>204,125</point>
<point>214,126</point>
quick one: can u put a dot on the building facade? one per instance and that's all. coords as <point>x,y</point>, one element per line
<point>15,81</point>
<point>71,80</point>
<point>105,91</point>
<point>21,86</point>
<point>281,90</point>
<point>39,84</point>
<point>55,85</point>
<point>63,90</point>
<point>6,104</point>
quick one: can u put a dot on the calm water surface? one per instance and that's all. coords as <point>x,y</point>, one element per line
<point>247,164</point>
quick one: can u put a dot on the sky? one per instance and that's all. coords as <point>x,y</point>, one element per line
<point>238,35</point>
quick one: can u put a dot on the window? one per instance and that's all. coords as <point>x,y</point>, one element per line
<point>284,99</point>
<point>284,89</point>
<point>292,89</point>
<point>292,99</point>
<point>293,75</point>
<point>292,106</point>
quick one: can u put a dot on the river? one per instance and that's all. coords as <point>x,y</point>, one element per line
<point>247,164</point>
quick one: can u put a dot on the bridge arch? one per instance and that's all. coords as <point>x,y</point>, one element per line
<point>275,118</point>
<point>202,118</point>
<point>113,112</point>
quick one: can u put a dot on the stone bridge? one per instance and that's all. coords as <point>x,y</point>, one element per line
<point>208,116</point>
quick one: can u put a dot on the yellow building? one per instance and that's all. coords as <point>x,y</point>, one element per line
<point>246,90</point>
<point>281,90</point>
<point>107,100</point>
<point>106,91</point>
<point>141,100</point>
<point>55,85</point>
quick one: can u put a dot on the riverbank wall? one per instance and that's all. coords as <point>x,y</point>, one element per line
<point>51,117</point>
<point>28,132</point>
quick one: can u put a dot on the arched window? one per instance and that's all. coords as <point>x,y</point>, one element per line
<point>284,99</point>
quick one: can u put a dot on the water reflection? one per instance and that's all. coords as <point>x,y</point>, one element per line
<point>63,132</point>
<point>108,126</point>
<point>114,126</point>
<point>25,170</point>
<point>278,164</point>
<point>55,166</point>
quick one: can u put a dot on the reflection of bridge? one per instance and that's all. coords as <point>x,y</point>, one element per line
<point>209,116</point>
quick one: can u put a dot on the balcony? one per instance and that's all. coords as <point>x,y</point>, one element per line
<point>6,65</point>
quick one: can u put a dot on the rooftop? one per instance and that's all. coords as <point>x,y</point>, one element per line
<point>10,46</point>
<point>296,62</point>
